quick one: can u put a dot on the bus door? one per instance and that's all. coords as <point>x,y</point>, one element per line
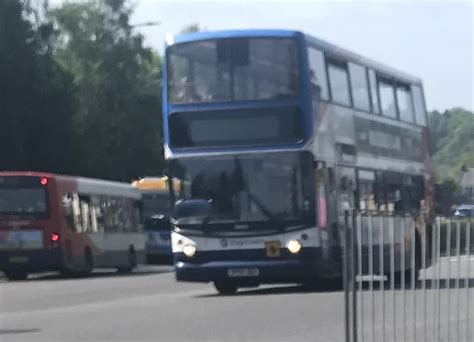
<point>326,201</point>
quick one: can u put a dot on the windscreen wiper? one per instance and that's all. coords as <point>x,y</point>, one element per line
<point>264,210</point>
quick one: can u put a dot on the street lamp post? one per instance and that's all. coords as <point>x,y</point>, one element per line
<point>146,24</point>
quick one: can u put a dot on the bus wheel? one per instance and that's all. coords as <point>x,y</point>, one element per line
<point>132,261</point>
<point>225,288</point>
<point>16,275</point>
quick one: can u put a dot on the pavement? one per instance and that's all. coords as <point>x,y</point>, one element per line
<point>150,305</point>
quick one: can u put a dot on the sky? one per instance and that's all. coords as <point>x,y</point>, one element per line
<point>431,40</point>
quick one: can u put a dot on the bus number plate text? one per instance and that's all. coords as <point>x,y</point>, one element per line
<point>243,272</point>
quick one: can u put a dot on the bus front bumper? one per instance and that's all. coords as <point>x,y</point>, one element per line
<point>31,260</point>
<point>254,272</point>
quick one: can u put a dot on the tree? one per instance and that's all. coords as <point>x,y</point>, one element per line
<point>118,89</point>
<point>194,27</point>
<point>452,142</point>
<point>36,102</point>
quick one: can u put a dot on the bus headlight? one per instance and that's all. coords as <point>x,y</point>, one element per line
<point>189,250</point>
<point>294,246</point>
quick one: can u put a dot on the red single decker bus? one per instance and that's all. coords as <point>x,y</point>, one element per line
<point>69,224</point>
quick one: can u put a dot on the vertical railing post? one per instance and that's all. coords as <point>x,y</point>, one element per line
<point>355,320</point>
<point>403,267</point>
<point>382,270</point>
<point>360,260</point>
<point>468,275</point>
<point>413,274</point>
<point>371,274</point>
<point>458,260</point>
<point>448,281</point>
<point>392,240</point>
<point>346,277</point>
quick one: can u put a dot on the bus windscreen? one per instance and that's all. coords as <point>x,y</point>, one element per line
<point>252,188</point>
<point>233,69</point>
<point>23,198</point>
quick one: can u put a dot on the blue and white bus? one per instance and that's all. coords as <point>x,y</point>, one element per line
<point>273,134</point>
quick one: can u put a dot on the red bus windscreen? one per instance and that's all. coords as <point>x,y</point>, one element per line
<point>23,196</point>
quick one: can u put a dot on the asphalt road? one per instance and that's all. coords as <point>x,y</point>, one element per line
<point>150,305</point>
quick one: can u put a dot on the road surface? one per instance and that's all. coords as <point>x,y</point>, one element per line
<point>150,305</point>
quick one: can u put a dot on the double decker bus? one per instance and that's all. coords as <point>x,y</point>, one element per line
<point>157,205</point>
<point>51,222</point>
<point>274,134</point>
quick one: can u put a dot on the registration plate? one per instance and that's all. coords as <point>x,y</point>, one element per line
<point>21,239</point>
<point>18,259</point>
<point>243,272</point>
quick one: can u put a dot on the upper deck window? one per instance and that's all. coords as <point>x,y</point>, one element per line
<point>387,99</point>
<point>318,78</point>
<point>233,69</point>
<point>420,113</point>
<point>339,83</point>
<point>373,91</point>
<point>405,107</point>
<point>360,88</point>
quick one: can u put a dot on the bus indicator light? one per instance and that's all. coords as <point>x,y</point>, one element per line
<point>54,237</point>
<point>44,181</point>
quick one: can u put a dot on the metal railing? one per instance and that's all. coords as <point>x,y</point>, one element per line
<point>406,280</point>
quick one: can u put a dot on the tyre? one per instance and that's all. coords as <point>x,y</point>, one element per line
<point>225,288</point>
<point>16,275</point>
<point>132,262</point>
<point>324,284</point>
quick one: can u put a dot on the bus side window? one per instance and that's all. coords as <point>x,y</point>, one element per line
<point>68,212</point>
<point>398,193</point>
<point>111,212</point>
<point>127,214</point>
<point>366,191</point>
<point>85,213</point>
<point>72,211</point>
<point>318,77</point>
<point>138,215</point>
<point>347,188</point>
<point>96,217</point>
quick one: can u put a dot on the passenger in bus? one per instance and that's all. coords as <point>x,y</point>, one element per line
<point>186,91</point>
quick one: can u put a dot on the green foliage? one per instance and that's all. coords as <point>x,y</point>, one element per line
<point>117,80</point>
<point>452,142</point>
<point>36,93</point>
<point>79,91</point>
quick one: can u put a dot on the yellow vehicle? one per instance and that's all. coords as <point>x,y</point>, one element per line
<point>157,206</point>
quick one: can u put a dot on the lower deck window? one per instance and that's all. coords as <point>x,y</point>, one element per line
<point>388,192</point>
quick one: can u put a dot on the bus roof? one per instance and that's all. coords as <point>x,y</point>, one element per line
<point>104,187</point>
<point>330,48</point>
<point>90,186</point>
<point>27,173</point>
<point>151,183</point>
<point>155,184</point>
<point>206,35</point>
